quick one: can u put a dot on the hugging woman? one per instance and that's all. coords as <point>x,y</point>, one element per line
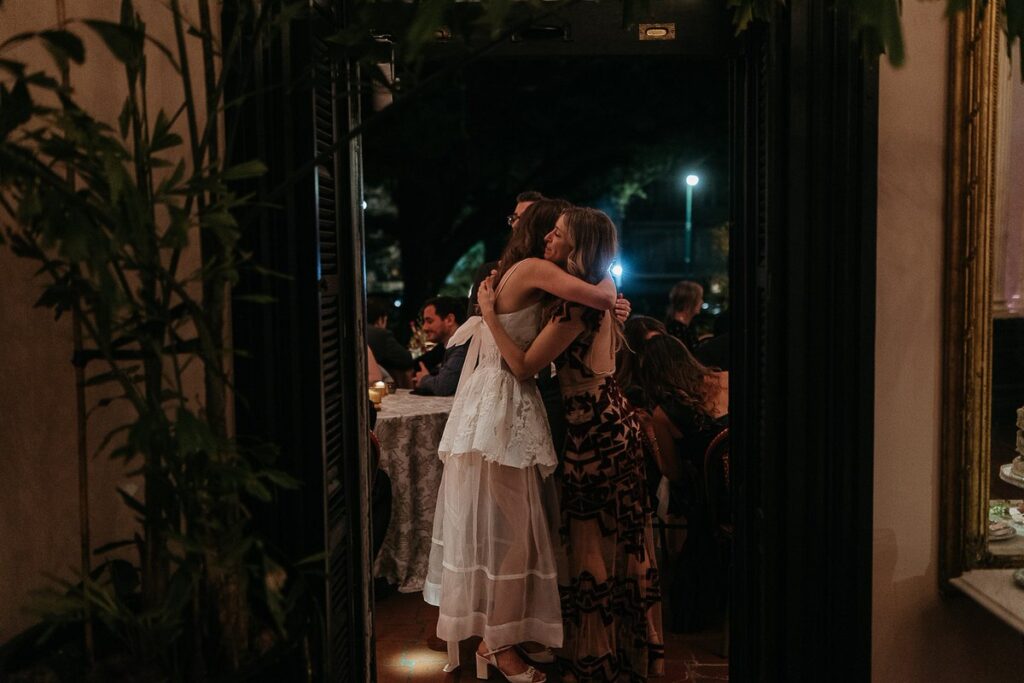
<point>493,571</point>
<point>608,576</point>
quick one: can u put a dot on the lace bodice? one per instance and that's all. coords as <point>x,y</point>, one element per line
<point>522,326</point>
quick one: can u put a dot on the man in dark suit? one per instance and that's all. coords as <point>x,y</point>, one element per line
<point>441,317</point>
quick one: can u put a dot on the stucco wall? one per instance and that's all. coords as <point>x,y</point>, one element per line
<point>38,456</point>
<point>916,635</point>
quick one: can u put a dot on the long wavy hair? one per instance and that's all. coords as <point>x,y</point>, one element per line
<point>594,244</point>
<point>636,332</point>
<point>666,370</point>
<point>591,234</point>
<point>527,239</point>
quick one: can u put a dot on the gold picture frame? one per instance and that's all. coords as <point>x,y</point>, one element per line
<point>973,138</point>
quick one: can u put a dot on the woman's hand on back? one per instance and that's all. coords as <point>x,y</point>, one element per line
<point>485,298</point>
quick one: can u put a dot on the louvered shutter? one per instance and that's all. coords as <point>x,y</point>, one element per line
<point>342,357</point>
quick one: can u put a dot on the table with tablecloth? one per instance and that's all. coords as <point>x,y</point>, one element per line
<point>409,428</point>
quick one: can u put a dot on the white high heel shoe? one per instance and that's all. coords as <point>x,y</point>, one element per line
<point>482,660</point>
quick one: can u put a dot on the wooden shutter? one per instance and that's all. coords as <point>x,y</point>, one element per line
<point>342,355</point>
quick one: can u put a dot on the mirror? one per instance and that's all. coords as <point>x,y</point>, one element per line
<point>983,489</point>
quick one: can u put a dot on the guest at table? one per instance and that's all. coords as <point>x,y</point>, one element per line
<point>441,317</point>
<point>685,302</point>
<point>714,352</point>
<point>390,354</point>
<point>689,405</point>
<point>635,333</point>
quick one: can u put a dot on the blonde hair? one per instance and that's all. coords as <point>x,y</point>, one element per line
<point>591,234</point>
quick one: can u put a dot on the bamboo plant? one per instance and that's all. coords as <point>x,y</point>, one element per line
<point>108,210</point>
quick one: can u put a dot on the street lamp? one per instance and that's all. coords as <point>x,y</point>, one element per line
<point>691,182</point>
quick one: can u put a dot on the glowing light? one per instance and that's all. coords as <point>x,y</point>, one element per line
<point>363,204</point>
<point>692,180</point>
<point>617,270</point>
<point>398,303</point>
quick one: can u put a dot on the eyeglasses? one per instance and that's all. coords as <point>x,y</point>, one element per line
<point>511,219</point>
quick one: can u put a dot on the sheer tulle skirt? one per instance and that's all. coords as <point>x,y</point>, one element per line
<point>492,567</point>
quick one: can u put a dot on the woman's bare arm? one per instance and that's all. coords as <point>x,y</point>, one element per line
<point>372,368</point>
<point>552,340</point>
<point>666,434</point>
<point>541,274</point>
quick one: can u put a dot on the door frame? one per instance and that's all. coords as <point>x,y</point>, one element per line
<point>804,112</point>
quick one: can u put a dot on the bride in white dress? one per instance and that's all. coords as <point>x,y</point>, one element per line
<point>492,563</point>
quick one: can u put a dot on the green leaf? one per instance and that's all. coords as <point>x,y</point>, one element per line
<point>124,42</point>
<point>15,107</point>
<point>116,176</point>
<point>16,69</point>
<point>111,376</point>
<point>41,80</point>
<point>110,437</point>
<point>113,545</point>
<point>176,235</point>
<point>194,435</point>
<point>258,491</point>
<point>248,169</point>
<point>125,117</point>
<point>131,501</point>
<point>163,137</point>
<point>279,478</point>
<point>126,453</point>
<point>63,45</point>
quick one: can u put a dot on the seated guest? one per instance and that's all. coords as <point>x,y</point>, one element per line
<point>390,354</point>
<point>635,333</point>
<point>714,352</point>
<point>688,405</point>
<point>685,302</point>
<point>441,317</point>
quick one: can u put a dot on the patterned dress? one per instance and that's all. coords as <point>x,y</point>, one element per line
<point>608,578</point>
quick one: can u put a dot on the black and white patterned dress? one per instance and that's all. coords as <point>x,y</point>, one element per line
<point>608,578</point>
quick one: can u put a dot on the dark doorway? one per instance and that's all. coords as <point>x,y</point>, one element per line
<point>801,119</point>
<point>619,132</point>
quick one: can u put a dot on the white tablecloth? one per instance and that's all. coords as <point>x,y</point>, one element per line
<point>409,428</point>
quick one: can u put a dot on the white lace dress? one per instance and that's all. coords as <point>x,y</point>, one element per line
<point>492,566</point>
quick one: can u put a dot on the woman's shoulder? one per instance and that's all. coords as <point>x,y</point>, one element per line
<point>532,263</point>
<point>524,268</point>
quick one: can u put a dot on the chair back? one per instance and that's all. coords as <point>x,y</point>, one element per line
<point>718,484</point>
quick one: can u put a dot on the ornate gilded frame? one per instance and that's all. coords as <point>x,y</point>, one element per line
<point>974,82</point>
